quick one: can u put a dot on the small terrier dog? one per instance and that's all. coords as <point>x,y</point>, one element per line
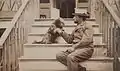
<point>51,36</point>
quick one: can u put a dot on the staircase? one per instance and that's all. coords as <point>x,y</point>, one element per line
<point>5,18</point>
<point>42,57</point>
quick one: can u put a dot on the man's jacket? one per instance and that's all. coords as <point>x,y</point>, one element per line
<point>82,35</point>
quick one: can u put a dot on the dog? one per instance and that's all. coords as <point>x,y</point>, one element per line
<point>51,36</point>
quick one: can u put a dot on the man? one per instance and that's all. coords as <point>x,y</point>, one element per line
<point>82,40</point>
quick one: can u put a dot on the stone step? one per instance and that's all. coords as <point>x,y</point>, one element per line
<point>5,24</point>
<point>66,21</point>
<point>57,45</point>
<point>34,36</point>
<point>26,64</point>
<point>4,19</point>
<point>66,25</point>
<point>83,5</point>
<point>81,10</point>
<point>68,28</point>
<point>7,14</point>
<point>98,58</point>
<point>50,50</point>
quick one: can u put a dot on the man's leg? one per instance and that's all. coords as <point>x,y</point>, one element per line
<point>76,57</point>
<point>62,57</point>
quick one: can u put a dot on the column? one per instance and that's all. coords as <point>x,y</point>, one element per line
<point>92,4</point>
<point>51,3</point>
<point>37,8</point>
<point>76,6</point>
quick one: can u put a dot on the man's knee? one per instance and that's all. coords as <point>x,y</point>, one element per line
<point>70,58</point>
<point>59,56</point>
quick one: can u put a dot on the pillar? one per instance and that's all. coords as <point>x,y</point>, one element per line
<point>37,8</point>
<point>92,4</point>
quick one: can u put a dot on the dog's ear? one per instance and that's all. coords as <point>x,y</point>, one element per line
<point>62,20</point>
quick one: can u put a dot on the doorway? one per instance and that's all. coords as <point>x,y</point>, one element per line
<point>67,8</point>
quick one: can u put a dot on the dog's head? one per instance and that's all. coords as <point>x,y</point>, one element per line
<point>59,23</point>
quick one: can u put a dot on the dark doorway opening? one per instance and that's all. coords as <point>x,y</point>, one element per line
<point>2,31</point>
<point>44,1</point>
<point>67,8</point>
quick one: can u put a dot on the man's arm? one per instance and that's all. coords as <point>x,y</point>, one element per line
<point>87,37</point>
<point>67,37</point>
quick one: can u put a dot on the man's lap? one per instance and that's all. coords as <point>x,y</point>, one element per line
<point>78,55</point>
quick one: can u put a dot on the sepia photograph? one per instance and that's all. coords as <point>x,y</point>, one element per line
<point>59,35</point>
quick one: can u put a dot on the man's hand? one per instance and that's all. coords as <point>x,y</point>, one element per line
<point>69,50</point>
<point>75,46</point>
<point>58,30</point>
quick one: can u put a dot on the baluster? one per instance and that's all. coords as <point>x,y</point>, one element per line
<point>17,34</point>
<point>21,34</point>
<point>116,62</point>
<point>109,49</point>
<point>13,51</point>
<point>1,62</point>
<point>16,48</point>
<point>112,36</point>
<point>101,17</point>
<point>10,49</point>
<point>19,38</point>
<point>4,58</point>
<point>7,42</point>
<point>1,59</point>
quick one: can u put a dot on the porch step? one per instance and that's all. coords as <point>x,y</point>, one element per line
<point>5,24</point>
<point>57,45</point>
<point>7,15</point>
<point>98,58</point>
<point>6,19</point>
<point>81,10</point>
<point>46,51</point>
<point>68,27</point>
<point>66,21</point>
<point>38,36</point>
<point>83,5</point>
<point>94,64</point>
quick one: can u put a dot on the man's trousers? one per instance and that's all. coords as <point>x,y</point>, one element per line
<point>72,60</point>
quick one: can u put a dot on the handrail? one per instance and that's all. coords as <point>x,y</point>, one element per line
<point>13,22</point>
<point>12,5</point>
<point>16,34</point>
<point>113,14</point>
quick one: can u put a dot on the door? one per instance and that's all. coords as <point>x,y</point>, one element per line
<point>67,8</point>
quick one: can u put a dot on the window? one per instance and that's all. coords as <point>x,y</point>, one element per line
<point>44,1</point>
<point>80,1</point>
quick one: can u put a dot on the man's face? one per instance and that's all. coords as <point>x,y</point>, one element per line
<point>77,19</point>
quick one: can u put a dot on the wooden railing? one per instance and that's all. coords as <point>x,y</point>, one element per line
<point>109,23</point>
<point>12,40</point>
<point>10,5</point>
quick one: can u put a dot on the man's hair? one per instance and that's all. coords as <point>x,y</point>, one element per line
<point>83,18</point>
